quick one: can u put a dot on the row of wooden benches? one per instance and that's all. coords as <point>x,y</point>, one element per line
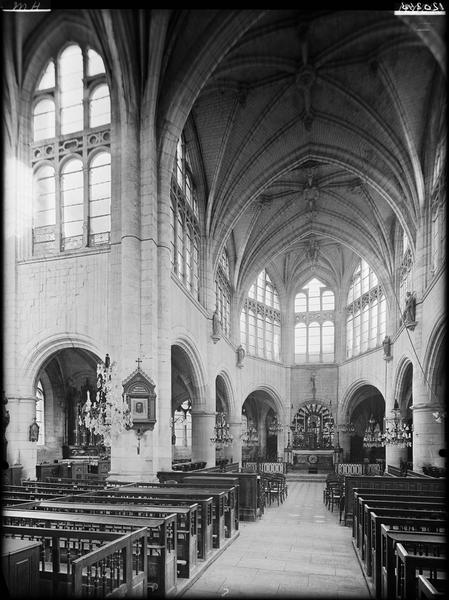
<point>93,540</point>
<point>400,536</point>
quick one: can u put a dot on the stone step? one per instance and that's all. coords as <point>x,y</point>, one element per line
<point>296,476</point>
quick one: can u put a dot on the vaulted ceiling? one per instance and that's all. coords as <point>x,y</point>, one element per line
<point>306,126</point>
<point>314,125</point>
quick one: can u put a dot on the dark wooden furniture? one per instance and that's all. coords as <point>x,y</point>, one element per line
<point>160,533</point>
<point>60,573</point>
<point>20,566</point>
<point>412,503</point>
<point>205,505</point>
<point>409,565</point>
<point>432,589</point>
<point>251,496</point>
<point>219,497</point>
<point>395,484</point>
<point>368,544</point>
<point>186,530</point>
<point>395,523</point>
<point>231,500</point>
<point>389,539</point>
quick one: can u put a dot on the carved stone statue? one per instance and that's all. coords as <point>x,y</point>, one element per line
<point>410,308</point>
<point>240,355</point>
<point>216,325</point>
<point>313,382</point>
<point>387,346</point>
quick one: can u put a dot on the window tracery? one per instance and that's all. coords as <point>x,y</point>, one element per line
<point>260,320</point>
<point>314,323</point>
<point>71,128</point>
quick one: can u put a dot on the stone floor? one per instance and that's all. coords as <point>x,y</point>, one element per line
<point>296,550</point>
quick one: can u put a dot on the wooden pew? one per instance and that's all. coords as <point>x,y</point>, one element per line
<point>389,538</point>
<point>381,494</point>
<point>251,495</point>
<point>204,513</point>
<point>396,523</point>
<point>388,493</point>
<point>186,522</point>
<point>232,499</point>
<point>406,484</point>
<point>161,536</point>
<point>66,553</point>
<point>183,491</point>
<point>431,589</point>
<point>411,502</point>
<point>409,565</point>
<point>367,542</point>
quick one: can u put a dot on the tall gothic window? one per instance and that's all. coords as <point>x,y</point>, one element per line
<point>260,320</point>
<point>40,405</point>
<point>405,271</point>
<point>314,323</point>
<point>71,153</point>
<point>223,293</point>
<point>185,229</point>
<point>365,311</point>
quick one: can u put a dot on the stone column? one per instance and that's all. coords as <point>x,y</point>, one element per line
<point>22,412</point>
<point>428,438</point>
<point>262,431</point>
<point>202,430</point>
<point>394,455</point>
<point>234,451</point>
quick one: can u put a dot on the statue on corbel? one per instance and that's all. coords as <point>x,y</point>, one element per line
<point>216,326</point>
<point>240,355</point>
<point>409,314</point>
<point>387,348</point>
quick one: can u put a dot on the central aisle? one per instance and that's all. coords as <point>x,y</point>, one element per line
<point>296,550</point>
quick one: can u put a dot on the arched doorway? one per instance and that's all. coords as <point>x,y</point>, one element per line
<point>182,397</point>
<point>63,384</point>
<point>261,428</point>
<point>366,412</point>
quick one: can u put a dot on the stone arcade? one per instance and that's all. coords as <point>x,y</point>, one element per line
<point>238,206</point>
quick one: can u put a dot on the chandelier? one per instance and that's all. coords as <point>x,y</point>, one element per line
<point>222,437</point>
<point>275,427</point>
<point>347,427</point>
<point>397,431</point>
<point>109,413</point>
<point>250,437</point>
<point>373,436</point>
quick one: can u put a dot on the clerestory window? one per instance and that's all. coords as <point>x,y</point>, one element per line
<point>314,323</point>
<point>260,320</point>
<point>185,228</point>
<point>366,311</point>
<point>71,153</point>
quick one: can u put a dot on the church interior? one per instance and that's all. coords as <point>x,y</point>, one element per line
<point>224,290</point>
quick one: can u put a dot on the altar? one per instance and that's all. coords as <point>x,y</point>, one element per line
<point>313,461</point>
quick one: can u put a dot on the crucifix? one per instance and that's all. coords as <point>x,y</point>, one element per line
<point>138,361</point>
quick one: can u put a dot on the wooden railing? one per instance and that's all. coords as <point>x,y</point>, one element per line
<point>358,469</point>
<point>264,467</point>
<point>118,568</point>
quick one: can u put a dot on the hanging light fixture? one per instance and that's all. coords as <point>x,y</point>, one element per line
<point>397,431</point>
<point>222,437</point>
<point>109,412</point>
<point>373,434</point>
<point>347,427</point>
<point>275,427</point>
<point>250,437</point>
